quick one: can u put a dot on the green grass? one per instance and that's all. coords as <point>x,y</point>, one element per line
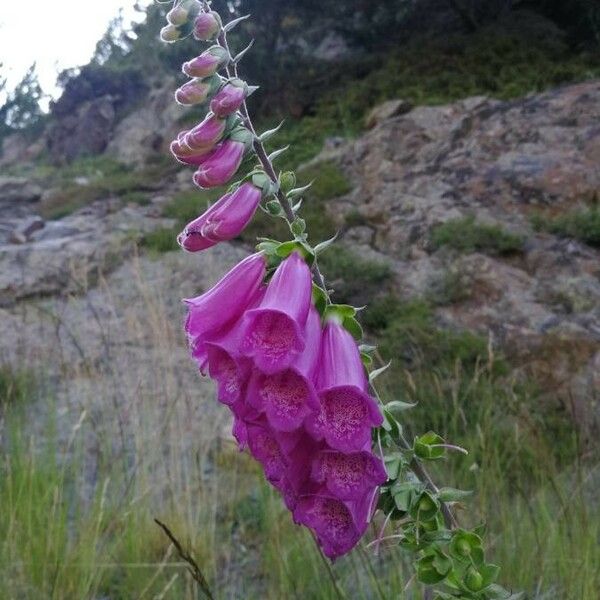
<point>160,240</point>
<point>467,235</point>
<point>582,225</point>
<point>355,279</point>
<point>96,178</point>
<point>538,501</point>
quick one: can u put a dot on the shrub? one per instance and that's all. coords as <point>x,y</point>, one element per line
<point>582,225</point>
<point>466,235</point>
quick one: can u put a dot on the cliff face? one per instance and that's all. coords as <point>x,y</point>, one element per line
<point>499,201</point>
<point>486,208</point>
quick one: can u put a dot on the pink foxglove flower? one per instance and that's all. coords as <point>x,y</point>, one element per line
<point>229,99</point>
<point>184,154</point>
<point>221,165</point>
<point>288,396</point>
<point>208,63</point>
<point>205,135</point>
<point>348,476</point>
<point>224,220</point>
<point>206,26</point>
<point>338,525</point>
<point>275,330</point>
<point>197,91</point>
<point>224,303</point>
<point>265,448</point>
<point>347,411</point>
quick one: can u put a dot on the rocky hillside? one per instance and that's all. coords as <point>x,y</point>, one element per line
<point>485,209</point>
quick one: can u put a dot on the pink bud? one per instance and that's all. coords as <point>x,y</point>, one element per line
<point>229,99</point>
<point>186,155</point>
<point>205,135</point>
<point>197,91</point>
<point>224,220</point>
<point>208,63</point>
<point>221,165</point>
<point>206,26</point>
<point>170,33</point>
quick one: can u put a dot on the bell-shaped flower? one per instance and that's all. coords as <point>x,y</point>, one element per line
<point>338,525</point>
<point>221,165</point>
<point>275,330</point>
<point>208,63</point>
<point>197,91</point>
<point>348,476</point>
<point>226,365</point>
<point>347,411</point>
<point>229,98</point>
<point>224,220</point>
<point>224,303</point>
<point>289,396</point>
<point>207,26</point>
<point>266,449</point>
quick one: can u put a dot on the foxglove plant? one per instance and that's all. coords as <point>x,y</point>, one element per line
<point>285,356</point>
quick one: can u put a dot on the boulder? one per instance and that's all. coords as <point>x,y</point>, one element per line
<point>500,163</point>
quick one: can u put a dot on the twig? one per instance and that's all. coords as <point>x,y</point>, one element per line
<point>193,567</point>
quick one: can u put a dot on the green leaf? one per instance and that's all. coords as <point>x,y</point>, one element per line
<point>377,372</point>
<point>448,494</point>
<point>296,192</point>
<point>399,406</point>
<point>322,246</point>
<point>490,573</point>
<point>263,137</point>
<point>277,153</point>
<point>227,28</point>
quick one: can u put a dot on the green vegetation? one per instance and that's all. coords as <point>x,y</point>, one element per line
<point>96,178</point>
<point>466,235</point>
<point>582,225</point>
<point>355,280</point>
<point>536,498</point>
<point>160,240</point>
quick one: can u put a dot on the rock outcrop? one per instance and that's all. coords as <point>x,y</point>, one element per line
<point>501,163</point>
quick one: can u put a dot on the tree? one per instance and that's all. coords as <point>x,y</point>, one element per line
<point>22,110</point>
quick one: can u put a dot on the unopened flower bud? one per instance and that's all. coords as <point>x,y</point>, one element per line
<point>230,98</point>
<point>208,63</point>
<point>197,90</point>
<point>207,26</point>
<point>221,165</point>
<point>170,34</point>
<point>177,16</point>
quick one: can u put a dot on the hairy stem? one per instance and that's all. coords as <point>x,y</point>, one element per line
<point>266,163</point>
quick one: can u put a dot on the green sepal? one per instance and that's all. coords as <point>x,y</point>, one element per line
<point>287,181</point>
<point>433,568</point>
<point>425,507</point>
<point>425,446</point>
<point>319,298</point>
<point>465,546</point>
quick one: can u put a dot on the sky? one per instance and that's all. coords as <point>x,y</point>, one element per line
<point>55,34</point>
